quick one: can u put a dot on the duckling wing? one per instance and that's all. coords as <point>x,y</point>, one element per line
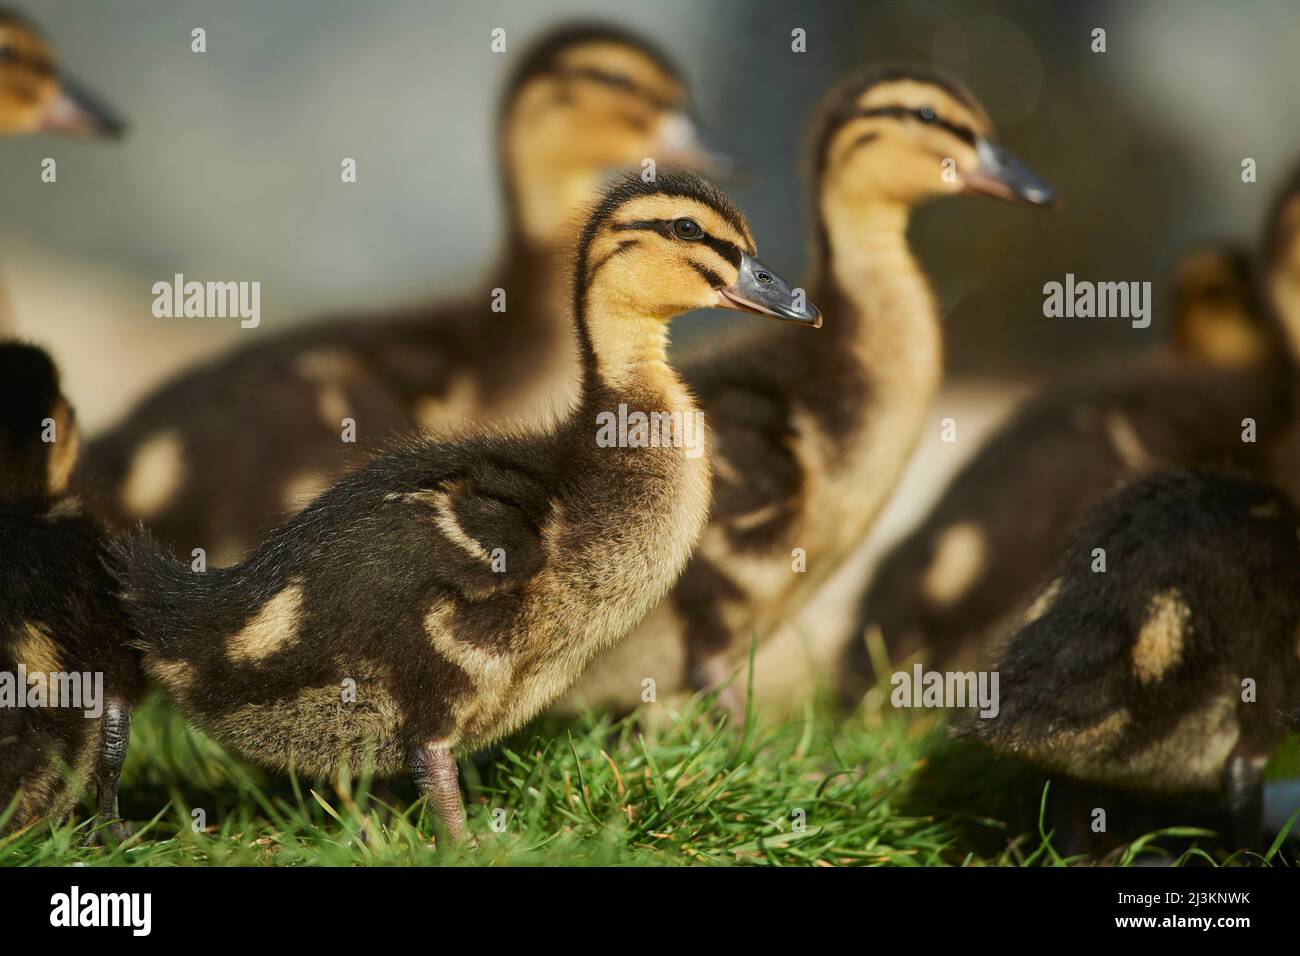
<point>416,530</point>
<point>758,479</point>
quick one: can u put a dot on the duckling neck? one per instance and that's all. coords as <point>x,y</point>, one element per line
<point>543,200</point>
<point>879,302</point>
<point>627,354</point>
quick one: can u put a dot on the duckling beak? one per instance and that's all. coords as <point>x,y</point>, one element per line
<point>1001,175</point>
<point>77,112</point>
<point>760,290</point>
<point>681,143</point>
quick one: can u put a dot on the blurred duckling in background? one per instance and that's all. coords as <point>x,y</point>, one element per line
<point>1009,511</point>
<point>1172,670</point>
<point>222,453</point>
<point>61,623</point>
<point>443,594</point>
<point>811,441</point>
<point>37,96</point>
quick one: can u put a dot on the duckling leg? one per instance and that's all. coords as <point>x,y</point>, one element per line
<point>112,755</point>
<point>1243,783</point>
<point>436,775</point>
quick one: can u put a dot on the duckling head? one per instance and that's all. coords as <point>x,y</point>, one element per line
<point>1214,315</point>
<point>1281,261</point>
<point>586,100</point>
<point>35,96</point>
<point>38,429</point>
<point>658,249</point>
<point>902,134</point>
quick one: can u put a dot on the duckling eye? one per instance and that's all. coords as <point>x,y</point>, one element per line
<point>7,53</point>
<point>620,82</point>
<point>926,113</point>
<point>687,229</point>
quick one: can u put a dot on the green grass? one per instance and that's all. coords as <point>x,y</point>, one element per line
<point>875,789</point>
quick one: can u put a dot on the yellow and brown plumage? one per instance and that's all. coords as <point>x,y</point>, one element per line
<point>222,453</point>
<point>37,95</point>
<point>1009,511</point>
<point>978,556</point>
<point>459,587</point>
<point>1172,669</point>
<point>810,443</point>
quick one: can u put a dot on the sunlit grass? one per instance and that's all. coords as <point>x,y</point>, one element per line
<point>874,789</point>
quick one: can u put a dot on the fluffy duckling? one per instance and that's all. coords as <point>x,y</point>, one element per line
<point>1009,511</point>
<point>36,96</point>
<point>444,593</point>
<point>68,677</point>
<point>810,443</point>
<point>222,453</point>
<point>1172,670</point>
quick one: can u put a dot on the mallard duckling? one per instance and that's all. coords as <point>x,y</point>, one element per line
<point>1009,511</point>
<point>810,443</point>
<point>1171,670</point>
<point>444,593</point>
<point>222,453</point>
<point>62,630</point>
<point>36,96</point>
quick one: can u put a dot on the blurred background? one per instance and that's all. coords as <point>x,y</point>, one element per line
<point>231,166</point>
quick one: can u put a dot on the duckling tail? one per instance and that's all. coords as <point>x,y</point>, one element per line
<point>168,600</point>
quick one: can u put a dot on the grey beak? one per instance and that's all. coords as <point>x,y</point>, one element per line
<point>78,112</point>
<point>760,290</point>
<point>1004,176</point>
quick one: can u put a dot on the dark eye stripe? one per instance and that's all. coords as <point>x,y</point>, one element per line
<point>729,251</point>
<point>963,133</point>
<point>617,82</point>
<point>709,276</point>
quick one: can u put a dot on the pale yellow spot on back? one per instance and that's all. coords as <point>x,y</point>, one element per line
<point>273,627</point>
<point>36,649</point>
<point>301,490</point>
<point>1128,446</point>
<point>959,556</point>
<point>179,677</point>
<point>1159,645</point>
<point>156,473</point>
<point>332,405</point>
<point>329,365</point>
<point>1042,604</point>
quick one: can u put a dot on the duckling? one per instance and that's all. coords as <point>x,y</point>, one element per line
<point>810,444</point>
<point>36,96</point>
<point>1172,670</point>
<point>62,629</point>
<point>1009,510</point>
<point>441,595</point>
<point>221,453</point>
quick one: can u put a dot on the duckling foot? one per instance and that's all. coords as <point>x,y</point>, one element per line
<point>1243,784</point>
<point>112,755</point>
<point>433,767</point>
